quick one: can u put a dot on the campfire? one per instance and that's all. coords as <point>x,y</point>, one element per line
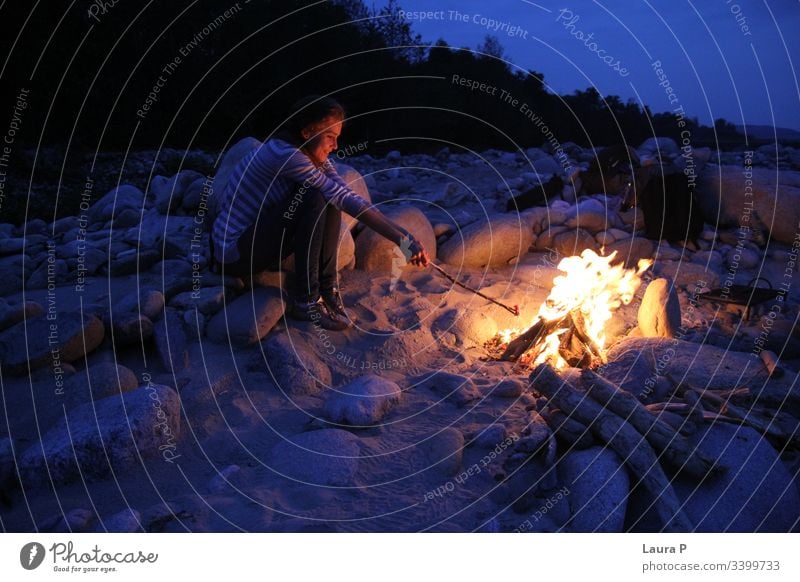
<point>569,327</point>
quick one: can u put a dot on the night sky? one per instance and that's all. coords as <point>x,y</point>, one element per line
<point>733,59</point>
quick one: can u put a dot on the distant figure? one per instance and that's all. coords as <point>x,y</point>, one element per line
<point>286,197</point>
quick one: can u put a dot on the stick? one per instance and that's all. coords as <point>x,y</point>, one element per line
<point>622,438</point>
<point>676,450</point>
<point>770,360</point>
<point>514,310</point>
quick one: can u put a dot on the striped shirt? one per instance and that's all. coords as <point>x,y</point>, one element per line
<point>268,176</point>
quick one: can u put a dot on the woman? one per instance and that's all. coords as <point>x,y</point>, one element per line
<point>285,197</point>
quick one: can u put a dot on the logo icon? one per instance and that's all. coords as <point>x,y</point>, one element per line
<point>31,555</point>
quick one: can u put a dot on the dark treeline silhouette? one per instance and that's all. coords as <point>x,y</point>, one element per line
<point>91,68</point>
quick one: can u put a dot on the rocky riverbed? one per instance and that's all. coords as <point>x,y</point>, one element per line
<point>144,393</point>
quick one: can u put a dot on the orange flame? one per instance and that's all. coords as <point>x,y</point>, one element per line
<point>592,286</point>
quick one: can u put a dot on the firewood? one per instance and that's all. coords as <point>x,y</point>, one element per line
<point>770,360</point>
<point>569,431</point>
<point>751,418</point>
<point>676,450</point>
<point>695,406</point>
<point>537,332</point>
<point>622,438</point>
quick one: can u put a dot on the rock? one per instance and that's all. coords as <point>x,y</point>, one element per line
<point>56,272</point>
<point>537,436</point>
<point>127,218</point>
<point>631,250</point>
<point>604,238</point>
<point>126,521</point>
<point>376,254</point>
<point>168,192</point>
<point>355,181</point>
<point>546,165</point>
<point>774,198</point>
<point>660,311</point>
<point>295,367</point>
<point>508,388</point>
<point>451,387</point>
<point>591,215</point>
<point>11,246</point>
<point>7,464</point>
<point>13,314</point>
<point>690,276</point>
<point>327,457</point>
<point>74,521</point>
<point>573,242</point>
<point>659,146</point>
<point>232,157</point>
<point>635,374</point>
<point>220,483</point>
<point>248,318</point>
<point>134,262</point>
<point>362,402</point>
<point>488,243</point>
<point>147,302</point>
<point>43,342</point>
<point>754,494</point>
<point>131,330</point>
<point>742,258</point>
<point>206,300</point>
<point>104,379</point>
<point>445,451</point>
<point>468,328</point>
<point>598,490</point>
<point>489,437</point>
<point>633,218</point>
<point>112,433</point>
<point>115,202</point>
<point>170,340</point>
<point>194,193</point>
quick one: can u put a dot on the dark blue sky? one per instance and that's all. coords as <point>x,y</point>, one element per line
<point>735,59</point>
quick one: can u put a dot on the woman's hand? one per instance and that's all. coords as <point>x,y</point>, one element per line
<point>419,256</point>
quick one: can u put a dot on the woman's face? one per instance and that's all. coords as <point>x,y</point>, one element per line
<point>322,138</point>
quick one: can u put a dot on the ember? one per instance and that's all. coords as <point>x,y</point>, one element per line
<point>569,328</point>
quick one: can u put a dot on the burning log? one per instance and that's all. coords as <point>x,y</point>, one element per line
<point>676,450</point>
<point>622,438</point>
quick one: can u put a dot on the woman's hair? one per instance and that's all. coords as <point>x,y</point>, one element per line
<point>310,111</point>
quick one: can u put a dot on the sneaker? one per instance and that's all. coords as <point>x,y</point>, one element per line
<point>333,301</point>
<point>317,313</point>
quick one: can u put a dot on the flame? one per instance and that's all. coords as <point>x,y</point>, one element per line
<point>591,286</point>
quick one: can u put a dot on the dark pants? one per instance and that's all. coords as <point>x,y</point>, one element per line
<point>305,225</point>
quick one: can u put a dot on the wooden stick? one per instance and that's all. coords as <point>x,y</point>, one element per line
<point>750,418</point>
<point>567,429</point>
<point>676,450</point>
<point>514,310</point>
<point>622,438</point>
<point>770,360</point>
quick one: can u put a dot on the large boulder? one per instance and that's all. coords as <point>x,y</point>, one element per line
<point>42,341</point>
<point>726,195</point>
<point>362,402</point>
<point>106,435</point>
<point>327,457</point>
<point>488,242</point>
<point>355,181</point>
<point>598,490</point>
<point>101,380</point>
<point>754,493</point>
<point>248,318</point>
<point>168,192</point>
<point>232,157</point>
<point>294,366</point>
<point>660,312</point>
<point>115,202</point>
<point>376,254</point>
